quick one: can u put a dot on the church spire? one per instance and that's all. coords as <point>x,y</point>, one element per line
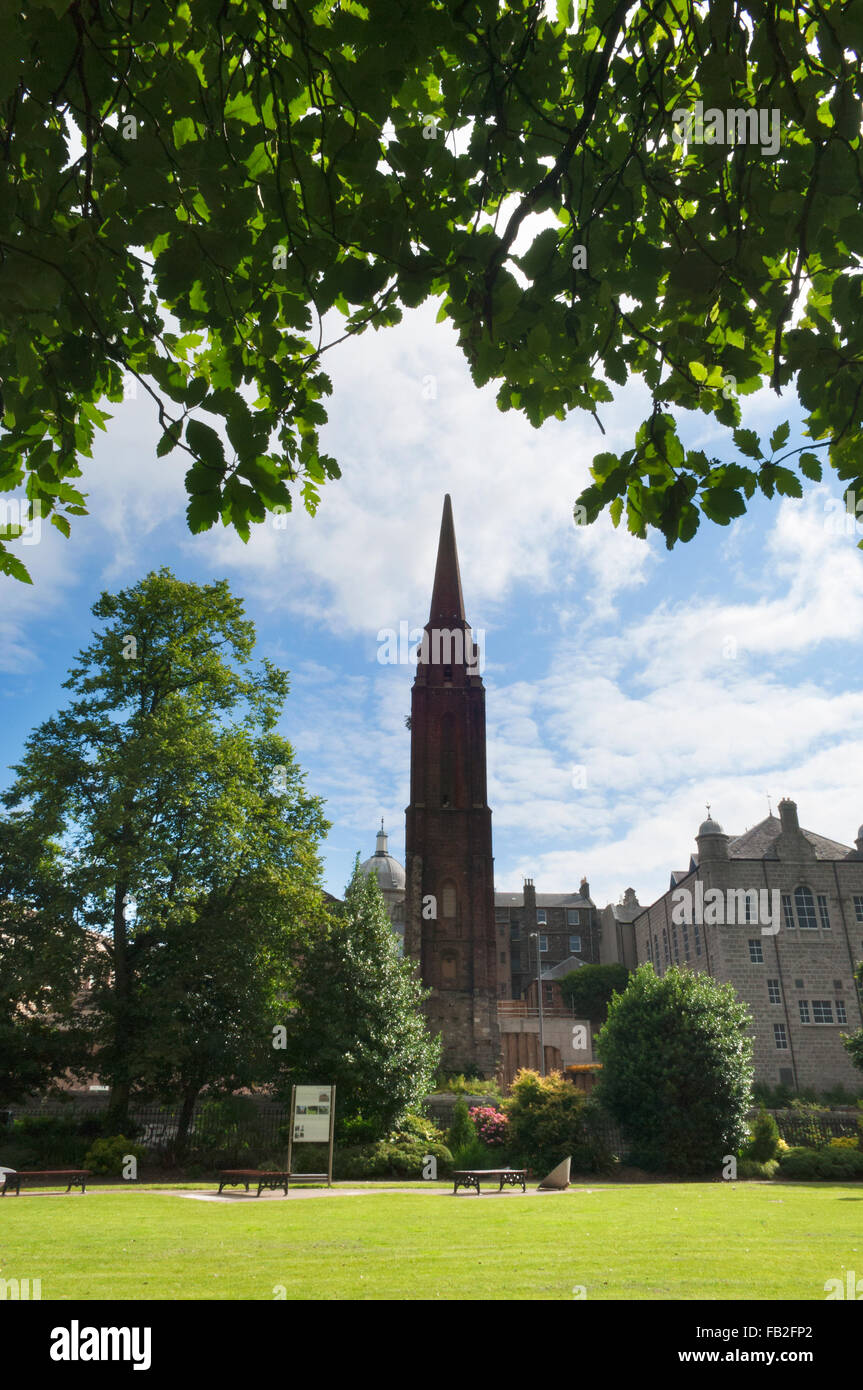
<point>447,605</point>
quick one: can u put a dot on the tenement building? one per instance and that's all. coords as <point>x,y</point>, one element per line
<point>559,925</point>
<point>778,913</point>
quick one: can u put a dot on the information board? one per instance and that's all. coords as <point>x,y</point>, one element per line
<point>312,1114</point>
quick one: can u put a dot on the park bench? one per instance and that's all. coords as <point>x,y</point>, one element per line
<point>237,1177</point>
<point>73,1177</point>
<point>470,1177</point>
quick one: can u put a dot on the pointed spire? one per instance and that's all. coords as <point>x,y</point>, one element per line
<point>447,605</point>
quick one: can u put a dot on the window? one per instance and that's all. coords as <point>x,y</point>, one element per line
<point>780,1036</point>
<point>549,994</point>
<point>543,943</point>
<point>805,904</point>
<point>449,902</point>
<point>674,943</point>
<point>503,957</point>
<point>841,1015</point>
<point>756,955</point>
<point>501,914</point>
<point>822,1011</point>
<point>788,913</point>
<point>665,945</point>
<point>649,951</point>
<point>655,951</point>
<point>686,941</point>
<point>798,984</point>
<point>575,945</point>
<point>573,917</point>
<point>515,961</point>
<point>748,909</point>
<point>774,994</point>
<point>803,1006</point>
<point>541,916</point>
<point>697,939</point>
<point>858,906</point>
<point>823,913</point>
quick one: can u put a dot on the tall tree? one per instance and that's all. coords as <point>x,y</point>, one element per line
<point>356,1019</point>
<point>176,802</point>
<point>277,177</point>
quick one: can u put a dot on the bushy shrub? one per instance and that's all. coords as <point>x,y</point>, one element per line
<point>474,1154</point>
<point>846,1142</point>
<point>805,1164</point>
<point>461,1132</point>
<point>107,1155</point>
<point>763,1143</point>
<point>677,1069</point>
<point>751,1168</point>
<point>399,1156</point>
<point>491,1125</point>
<point>548,1119</point>
<point>44,1141</point>
<point>466,1085</point>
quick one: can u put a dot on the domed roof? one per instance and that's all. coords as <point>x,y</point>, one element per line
<point>709,827</point>
<point>390,873</point>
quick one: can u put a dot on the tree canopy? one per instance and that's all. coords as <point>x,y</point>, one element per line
<point>207,197</point>
<point>589,989</point>
<point>184,868</point>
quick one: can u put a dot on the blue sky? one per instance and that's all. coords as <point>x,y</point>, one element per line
<point>722,671</point>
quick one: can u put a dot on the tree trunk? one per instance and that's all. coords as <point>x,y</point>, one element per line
<point>184,1124</point>
<point>118,1105</point>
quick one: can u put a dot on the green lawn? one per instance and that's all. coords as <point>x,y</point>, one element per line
<point>646,1241</point>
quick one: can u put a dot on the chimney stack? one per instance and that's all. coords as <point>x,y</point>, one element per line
<point>788,814</point>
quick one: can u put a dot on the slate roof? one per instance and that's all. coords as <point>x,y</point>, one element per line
<point>757,843</point>
<point>564,967</point>
<point>544,900</point>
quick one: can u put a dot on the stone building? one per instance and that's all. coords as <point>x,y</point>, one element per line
<point>778,913</point>
<point>449,892</point>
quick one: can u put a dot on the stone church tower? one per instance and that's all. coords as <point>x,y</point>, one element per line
<point>450,869</point>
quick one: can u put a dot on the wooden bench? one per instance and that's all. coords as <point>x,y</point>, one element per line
<point>470,1177</point>
<point>73,1177</point>
<point>241,1177</point>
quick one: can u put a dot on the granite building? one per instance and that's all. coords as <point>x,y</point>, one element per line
<point>793,967</point>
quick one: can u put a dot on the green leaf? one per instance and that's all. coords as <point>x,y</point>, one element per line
<point>810,465</point>
<point>779,436</point>
<point>203,441</point>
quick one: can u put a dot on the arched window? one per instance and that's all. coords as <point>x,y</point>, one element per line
<point>805,904</point>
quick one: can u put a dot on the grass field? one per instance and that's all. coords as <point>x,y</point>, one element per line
<point>664,1241</point>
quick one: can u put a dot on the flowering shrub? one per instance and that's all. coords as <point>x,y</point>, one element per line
<point>491,1125</point>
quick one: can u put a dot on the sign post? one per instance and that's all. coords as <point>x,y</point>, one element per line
<point>313,1118</point>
